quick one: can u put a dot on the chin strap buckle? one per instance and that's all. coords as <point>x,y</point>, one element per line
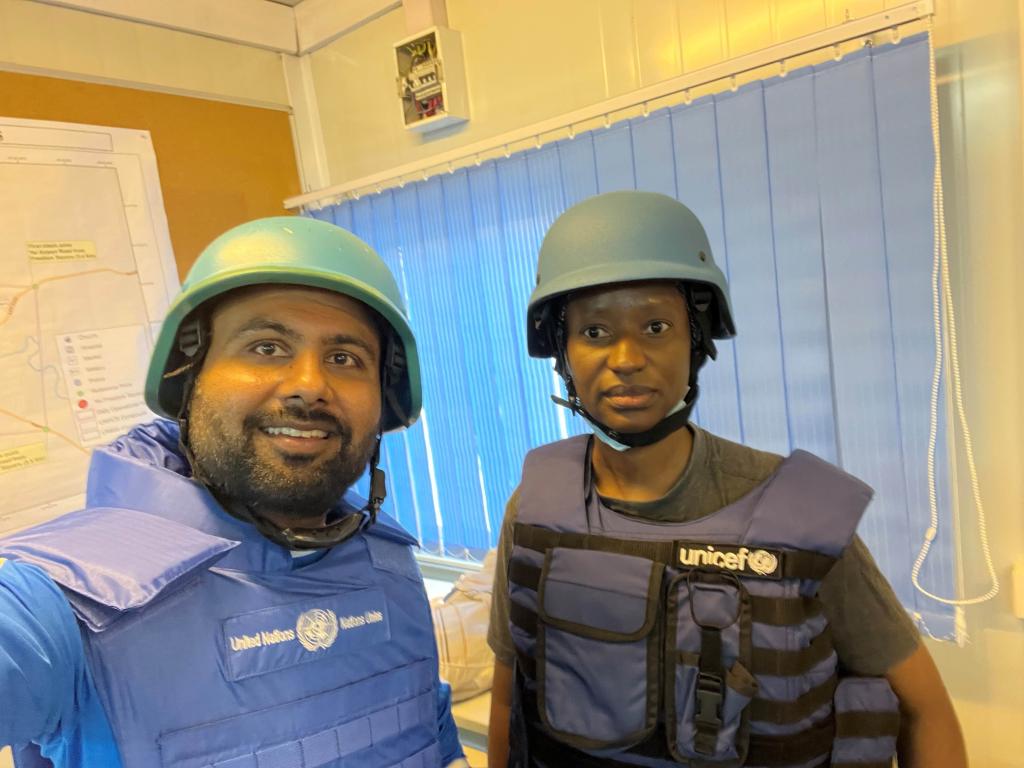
<point>573,405</point>
<point>378,492</point>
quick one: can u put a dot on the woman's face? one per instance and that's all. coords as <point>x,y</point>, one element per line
<point>628,349</point>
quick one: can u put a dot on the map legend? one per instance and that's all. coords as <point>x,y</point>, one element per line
<point>104,370</point>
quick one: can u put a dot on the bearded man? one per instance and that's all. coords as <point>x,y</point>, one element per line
<point>224,600</point>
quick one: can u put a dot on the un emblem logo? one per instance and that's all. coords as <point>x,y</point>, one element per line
<point>317,629</point>
<point>762,563</point>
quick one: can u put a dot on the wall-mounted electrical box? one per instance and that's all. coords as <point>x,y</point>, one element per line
<point>432,79</point>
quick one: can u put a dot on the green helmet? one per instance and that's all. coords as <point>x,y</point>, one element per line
<point>622,237</point>
<point>289,250</point>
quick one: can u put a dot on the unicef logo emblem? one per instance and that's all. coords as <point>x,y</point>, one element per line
<point>762,563</point>
<point>317,629</point>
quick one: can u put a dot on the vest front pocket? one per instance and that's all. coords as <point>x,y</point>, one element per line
<point>708,684</point>
<point>598,647</point>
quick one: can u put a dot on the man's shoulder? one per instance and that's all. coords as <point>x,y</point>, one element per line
<point>110,560</point>
<point>387,527</point>
<point>154,443</point>
<point>737,461</point>
<point>27,579</point>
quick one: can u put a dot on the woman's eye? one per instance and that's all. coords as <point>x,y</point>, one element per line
<point>594,332</point>
<point>344,359</point>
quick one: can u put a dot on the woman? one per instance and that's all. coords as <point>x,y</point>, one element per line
<point>667,597</point>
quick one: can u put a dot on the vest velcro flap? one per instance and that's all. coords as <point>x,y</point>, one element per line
<point>601,595</point>
<point>109,561</point>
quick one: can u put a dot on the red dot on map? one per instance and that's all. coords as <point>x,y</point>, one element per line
<point>83,403</point>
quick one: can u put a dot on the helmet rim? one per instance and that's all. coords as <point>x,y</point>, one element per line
<point>623,237</point>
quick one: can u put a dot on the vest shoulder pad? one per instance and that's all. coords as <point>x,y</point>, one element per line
<point>388,528</point>
<point>552,475</point>
<point>390,547</point>
<point>810,504</point>
<point>385,527</point>
<point>109,561</point>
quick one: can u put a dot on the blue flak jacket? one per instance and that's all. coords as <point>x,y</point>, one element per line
<point>151,629</point>
<point>700,642</point>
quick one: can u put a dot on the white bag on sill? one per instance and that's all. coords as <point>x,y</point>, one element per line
<point>460,629</point>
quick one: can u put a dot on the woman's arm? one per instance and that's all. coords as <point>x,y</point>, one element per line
<point>930,734</point>
<point>501,711</point>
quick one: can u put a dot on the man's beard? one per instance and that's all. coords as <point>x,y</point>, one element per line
<point>297,488</point>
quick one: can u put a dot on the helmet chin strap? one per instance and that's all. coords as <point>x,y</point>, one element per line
<point>330,534</point>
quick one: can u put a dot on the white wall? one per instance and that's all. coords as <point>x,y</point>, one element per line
<point>530,60</point>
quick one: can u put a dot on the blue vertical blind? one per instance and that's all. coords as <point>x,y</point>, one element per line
<point>816,192</point>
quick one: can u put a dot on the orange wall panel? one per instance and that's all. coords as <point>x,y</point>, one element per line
<point>220,164</point>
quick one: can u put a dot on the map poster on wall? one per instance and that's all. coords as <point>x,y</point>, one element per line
<point>86,274</point>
